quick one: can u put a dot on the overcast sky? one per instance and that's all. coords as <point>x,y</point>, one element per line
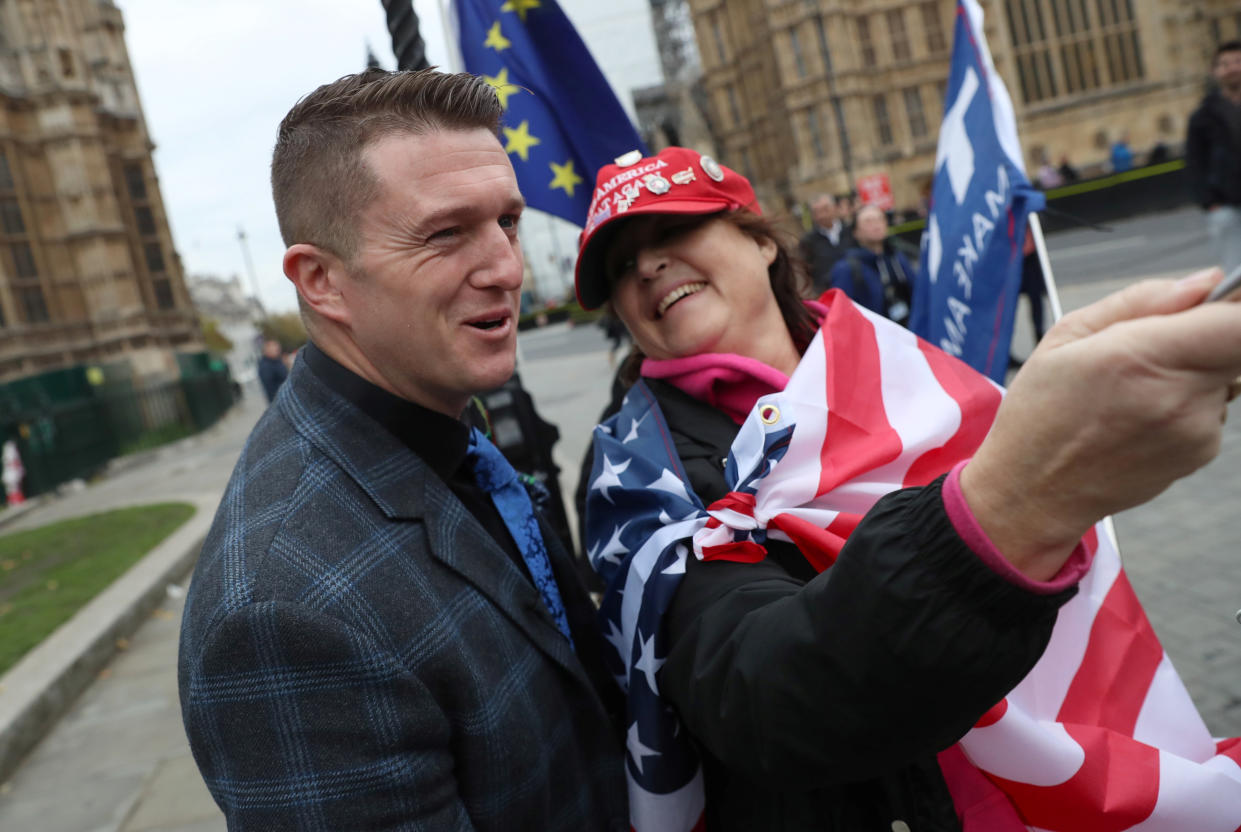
<point>215,80</point>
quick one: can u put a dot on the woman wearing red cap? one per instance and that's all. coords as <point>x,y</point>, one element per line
<point>831,700</point>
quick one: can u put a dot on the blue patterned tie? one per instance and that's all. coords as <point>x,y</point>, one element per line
<point>497,477</point>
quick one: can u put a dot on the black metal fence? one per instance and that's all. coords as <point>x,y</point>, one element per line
<point>1117,196</point>
<point>74,439</point>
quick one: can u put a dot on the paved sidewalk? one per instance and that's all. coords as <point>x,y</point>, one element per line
<point>118,760</point>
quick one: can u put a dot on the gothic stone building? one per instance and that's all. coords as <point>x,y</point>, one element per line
<point>811,95</point>
<point>88,272</point>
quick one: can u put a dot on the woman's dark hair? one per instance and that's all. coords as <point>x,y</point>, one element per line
<point>787,274</point>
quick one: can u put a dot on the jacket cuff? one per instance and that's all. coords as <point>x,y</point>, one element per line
<point>972,534</point>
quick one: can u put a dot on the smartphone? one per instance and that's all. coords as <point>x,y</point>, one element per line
<point>1226,287</point>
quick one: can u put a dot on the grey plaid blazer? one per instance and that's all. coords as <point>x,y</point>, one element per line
<point>358,653</point>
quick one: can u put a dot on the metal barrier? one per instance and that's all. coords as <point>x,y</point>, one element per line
<point>1145,190</point>
<point>75,439</point>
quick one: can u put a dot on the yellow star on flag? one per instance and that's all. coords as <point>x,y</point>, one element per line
<point>495,40</point>
<point>564,177</point>
<point>520,141</point>
<point>520,6</point>
<point>502,87</point>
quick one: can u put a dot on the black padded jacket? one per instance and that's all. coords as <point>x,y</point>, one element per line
<point>1213,153</point>
<point>818,702</point>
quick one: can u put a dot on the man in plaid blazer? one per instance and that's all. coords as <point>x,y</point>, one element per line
<point>363,645</point>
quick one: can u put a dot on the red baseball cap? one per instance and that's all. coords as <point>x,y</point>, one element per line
<point>674,181</point>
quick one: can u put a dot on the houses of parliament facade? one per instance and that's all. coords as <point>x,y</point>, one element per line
<point>808,96</point>
<point>88,271</point>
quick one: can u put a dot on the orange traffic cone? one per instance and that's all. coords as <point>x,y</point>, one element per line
<point>14,473</point>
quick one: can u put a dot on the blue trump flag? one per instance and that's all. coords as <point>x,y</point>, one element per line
<point>965,295</point>
<point>562,120</point>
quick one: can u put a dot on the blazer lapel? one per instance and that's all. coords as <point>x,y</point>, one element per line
<point>458,540</point>
<point>404,488</point>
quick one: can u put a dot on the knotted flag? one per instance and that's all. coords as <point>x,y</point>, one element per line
<point>965,294</point>
<point>562,119</point>
<point>1101,735</point>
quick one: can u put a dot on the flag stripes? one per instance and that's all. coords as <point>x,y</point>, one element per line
<point>1101,735</point>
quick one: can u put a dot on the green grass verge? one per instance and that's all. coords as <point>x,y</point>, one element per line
<point>47,574</point>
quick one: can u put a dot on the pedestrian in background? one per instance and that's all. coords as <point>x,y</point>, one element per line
<point>1068,173</point>
<point>616,333</point>
<point>1122,155</point>
<point>825,243</point>
<point>1213,155</point>
<point>874,273</point>
<point>380,633</point>
<point>272,369</point>
<point>1035,289</point>
<point>1049,176</point>
<point>846,208</point>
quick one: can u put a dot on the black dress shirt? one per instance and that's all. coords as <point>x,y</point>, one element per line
<point>440,441</point>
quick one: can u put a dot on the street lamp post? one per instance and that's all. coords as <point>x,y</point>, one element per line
<point>254,282</point>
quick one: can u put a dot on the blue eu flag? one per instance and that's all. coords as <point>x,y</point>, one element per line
<point>965,295</point>
<point>562,120</point>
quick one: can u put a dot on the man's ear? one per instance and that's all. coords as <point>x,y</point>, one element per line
<point>318,275</point>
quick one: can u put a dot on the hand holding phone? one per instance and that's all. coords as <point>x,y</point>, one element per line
<point>1226,286</point>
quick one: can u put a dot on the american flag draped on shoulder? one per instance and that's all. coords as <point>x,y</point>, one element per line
<point>965,297</point>
<point>640,517</point>
<point>1100,736</point>
<point>562,120</point>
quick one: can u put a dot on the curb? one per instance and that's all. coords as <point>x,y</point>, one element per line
<point>11,513</point>
<point>37,691</point>
<point>119,465</point>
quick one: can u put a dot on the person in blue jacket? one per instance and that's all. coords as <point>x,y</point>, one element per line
<point>1122,155</point>
<point>875,274</point>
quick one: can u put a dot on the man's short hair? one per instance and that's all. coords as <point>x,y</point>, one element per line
<point>1227,46</point>
<point>319,180</point>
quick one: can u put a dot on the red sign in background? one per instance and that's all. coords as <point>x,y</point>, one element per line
<point>875,189</point>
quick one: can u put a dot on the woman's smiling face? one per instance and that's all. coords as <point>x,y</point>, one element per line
<point>686,285</point>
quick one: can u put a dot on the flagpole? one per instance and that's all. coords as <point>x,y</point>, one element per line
<point>1044,262</point>
<point>1057,312</point>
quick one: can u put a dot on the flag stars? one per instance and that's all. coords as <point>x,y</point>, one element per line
<point>520,7</point>
<point>648,664</point>
<point>613,549</point>
<point>501,85</point>
<point>495,39</point>
<point>565,177</point>
<point>520,141</point>
<point>633,429</point>
<point>610,477</point>
<point>636,749</point>
<point>672,484</point>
